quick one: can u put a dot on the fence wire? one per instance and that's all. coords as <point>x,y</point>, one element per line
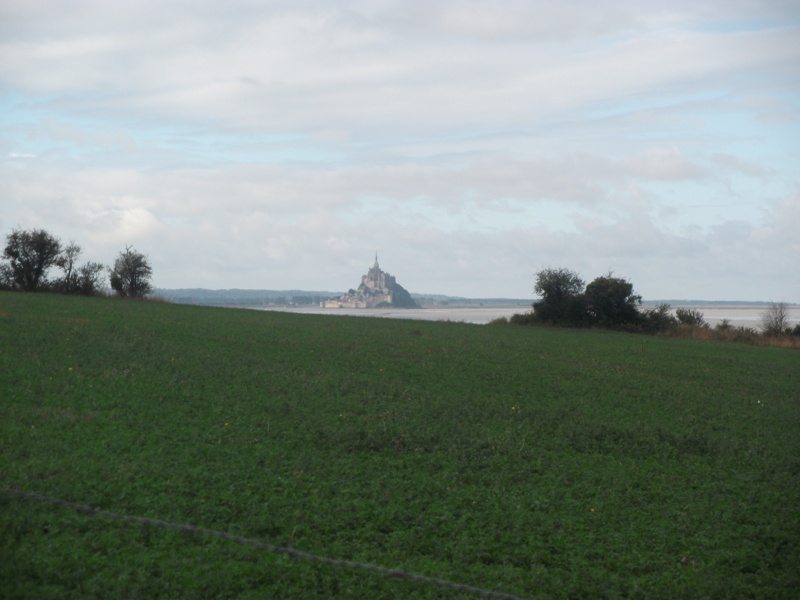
<point>86,510</point>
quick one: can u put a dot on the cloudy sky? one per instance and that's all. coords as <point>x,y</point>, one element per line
<point>280,144</point>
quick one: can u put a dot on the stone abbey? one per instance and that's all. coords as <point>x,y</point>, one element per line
<point>377,289</point>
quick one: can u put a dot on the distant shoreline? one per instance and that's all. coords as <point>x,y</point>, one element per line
<point>738,315</point>
<point>253,297</point>
<point>438,307</point>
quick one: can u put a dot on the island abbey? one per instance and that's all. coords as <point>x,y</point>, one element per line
<point>377,289</point>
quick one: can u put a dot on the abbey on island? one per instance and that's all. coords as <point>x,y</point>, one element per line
<point>377,289</point>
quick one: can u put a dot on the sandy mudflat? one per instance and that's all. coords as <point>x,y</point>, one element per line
<point>739,316</point>
<point>480,315</point>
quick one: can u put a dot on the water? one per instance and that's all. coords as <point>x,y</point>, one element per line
<point>739,315</point>
<point>477,315</point>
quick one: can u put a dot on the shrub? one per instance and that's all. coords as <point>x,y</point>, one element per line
<point>724,325</point>
<point>688,316</point>
<point>658,319</point>
<point>528,318</point>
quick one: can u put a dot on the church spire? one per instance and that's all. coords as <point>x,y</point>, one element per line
<point>376,258</point>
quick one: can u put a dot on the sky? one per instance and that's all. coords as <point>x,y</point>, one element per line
<point>281,144</point>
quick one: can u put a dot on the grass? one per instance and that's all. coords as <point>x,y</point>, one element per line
<point>539,462</point>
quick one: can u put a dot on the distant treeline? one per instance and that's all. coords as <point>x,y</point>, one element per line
<point>741,303</point>
<point>440,300</point>
<point>236,297</point>
<point>35,260</point>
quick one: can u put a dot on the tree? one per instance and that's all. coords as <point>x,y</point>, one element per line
<point>89,280</point>
<point>561,303</point>
<point>30,255</point>
<point>67,262</point>
<point>86,279</point>
<point>775,320</point>
<point>401,298</point>
<point>6,277</point>
<point>611,301</point>
<point>131,274</point>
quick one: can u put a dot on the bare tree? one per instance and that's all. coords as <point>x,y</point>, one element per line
<point>68,263</point>
<point>89,279</point>
<point>775,320</point>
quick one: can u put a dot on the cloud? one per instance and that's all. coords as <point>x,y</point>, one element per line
<point>665,164</point>
<point>317,63</point>
<point>741,166</point>
<point>279,144</point>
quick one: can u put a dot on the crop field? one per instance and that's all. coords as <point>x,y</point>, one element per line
<point>533,462</point>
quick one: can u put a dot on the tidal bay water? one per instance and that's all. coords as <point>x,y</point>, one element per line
<point>738,315</point>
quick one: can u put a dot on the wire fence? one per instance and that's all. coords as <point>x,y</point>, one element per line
<point>86,510</point>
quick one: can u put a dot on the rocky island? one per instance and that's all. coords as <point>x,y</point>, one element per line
<point>378,289</point>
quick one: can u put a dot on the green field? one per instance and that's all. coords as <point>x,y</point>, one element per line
<point>538,462</point>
